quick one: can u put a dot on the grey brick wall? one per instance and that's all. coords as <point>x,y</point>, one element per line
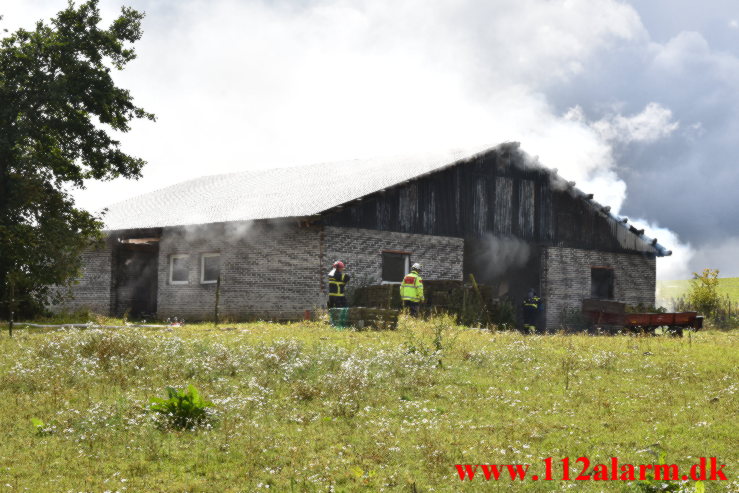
<point>566,278</point>
<point>267,271</point>
<point>91,291</point>
<point>361,250</point>
<point>279,270</point>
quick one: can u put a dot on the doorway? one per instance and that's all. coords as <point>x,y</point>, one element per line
<point>135,279</point>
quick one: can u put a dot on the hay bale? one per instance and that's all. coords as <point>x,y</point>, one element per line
<point>378,296</point>
<point>363,318</point>
<point>442,295</point>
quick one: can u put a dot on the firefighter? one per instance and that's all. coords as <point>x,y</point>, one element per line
<point>411,290</point>
<point>531,307</point>
<point>336,283</point>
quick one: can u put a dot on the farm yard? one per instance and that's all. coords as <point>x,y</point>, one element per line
<point>305,407</point>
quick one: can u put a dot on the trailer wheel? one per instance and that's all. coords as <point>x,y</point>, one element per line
<point>675,331</point>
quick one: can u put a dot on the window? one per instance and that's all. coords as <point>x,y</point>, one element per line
<point>179,272</point>
<point>210,268</point>
<point>601,283</point>
<point>395,265</point>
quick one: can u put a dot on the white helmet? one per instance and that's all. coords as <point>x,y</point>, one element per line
<point>416,266</point>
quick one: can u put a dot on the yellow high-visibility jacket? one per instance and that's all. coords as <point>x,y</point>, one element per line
<point>337,282</point>
<point>411,289</point>
<point>532,302</point>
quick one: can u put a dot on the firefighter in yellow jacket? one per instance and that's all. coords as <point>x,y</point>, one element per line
<point>336,283</point>
<point>411,290</point>
<point>531,309</point>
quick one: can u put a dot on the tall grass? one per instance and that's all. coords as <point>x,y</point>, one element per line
<point>723,315</point>
<point>301,407</point>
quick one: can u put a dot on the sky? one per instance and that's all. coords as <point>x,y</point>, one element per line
<point>636,102</point>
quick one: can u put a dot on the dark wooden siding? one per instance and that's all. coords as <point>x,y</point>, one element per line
<point>497,194</point>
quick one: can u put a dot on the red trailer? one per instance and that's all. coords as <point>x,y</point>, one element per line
<point>675,323</point>
<point>612,316</point>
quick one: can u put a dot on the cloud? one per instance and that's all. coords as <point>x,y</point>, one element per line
<point>653,123</point>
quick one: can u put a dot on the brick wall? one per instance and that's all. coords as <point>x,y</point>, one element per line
<point>91,291</point>
<point>566,278</point>
<point>268,270</point>
<point>278,270</point>
<point>361,250</point>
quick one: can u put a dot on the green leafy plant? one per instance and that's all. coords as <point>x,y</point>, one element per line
<point>41,428</point>
<point>430,339</point>
<point>182,409</point>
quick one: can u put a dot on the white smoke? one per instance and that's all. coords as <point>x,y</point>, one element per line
<point>719,255</point>
<point>503,253</point>
<point>246,84</point>
<point>653,123</point>
<point>677,265</point>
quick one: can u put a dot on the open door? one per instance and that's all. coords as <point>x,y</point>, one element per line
<point>135,279</point>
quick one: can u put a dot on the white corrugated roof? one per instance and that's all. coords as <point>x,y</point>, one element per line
<point>290,192</point>
<point>273,193</point>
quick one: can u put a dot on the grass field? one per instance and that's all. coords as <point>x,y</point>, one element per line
<point>667,290</point>
<point>303,407</point>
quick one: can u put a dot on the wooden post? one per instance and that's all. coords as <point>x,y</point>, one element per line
<point>11,306</point>
<point>218,299</point>
<point>483,306</point>
<point>463,313</point>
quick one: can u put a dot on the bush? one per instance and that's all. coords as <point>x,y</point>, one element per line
<point>722,312</point>
<point>703,295</point>
<point>183,410</point>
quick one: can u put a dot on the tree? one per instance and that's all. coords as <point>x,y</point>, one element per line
<point>59,108</point>
<point>703,295</point>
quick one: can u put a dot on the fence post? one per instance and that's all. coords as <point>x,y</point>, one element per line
<point>483,306</point>
<point>11,306</point>
<point>218,299</point>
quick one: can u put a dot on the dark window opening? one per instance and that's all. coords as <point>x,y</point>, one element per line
<point>601,283</point>
<point>179,269</point>
<point>210,267</point>
<point>395,266</point>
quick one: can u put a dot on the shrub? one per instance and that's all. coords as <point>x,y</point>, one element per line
<point>183,410</point>
<point>703,294</point>
<point>703,297</point>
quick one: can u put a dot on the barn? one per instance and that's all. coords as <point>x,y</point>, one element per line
<point>263,241</point>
